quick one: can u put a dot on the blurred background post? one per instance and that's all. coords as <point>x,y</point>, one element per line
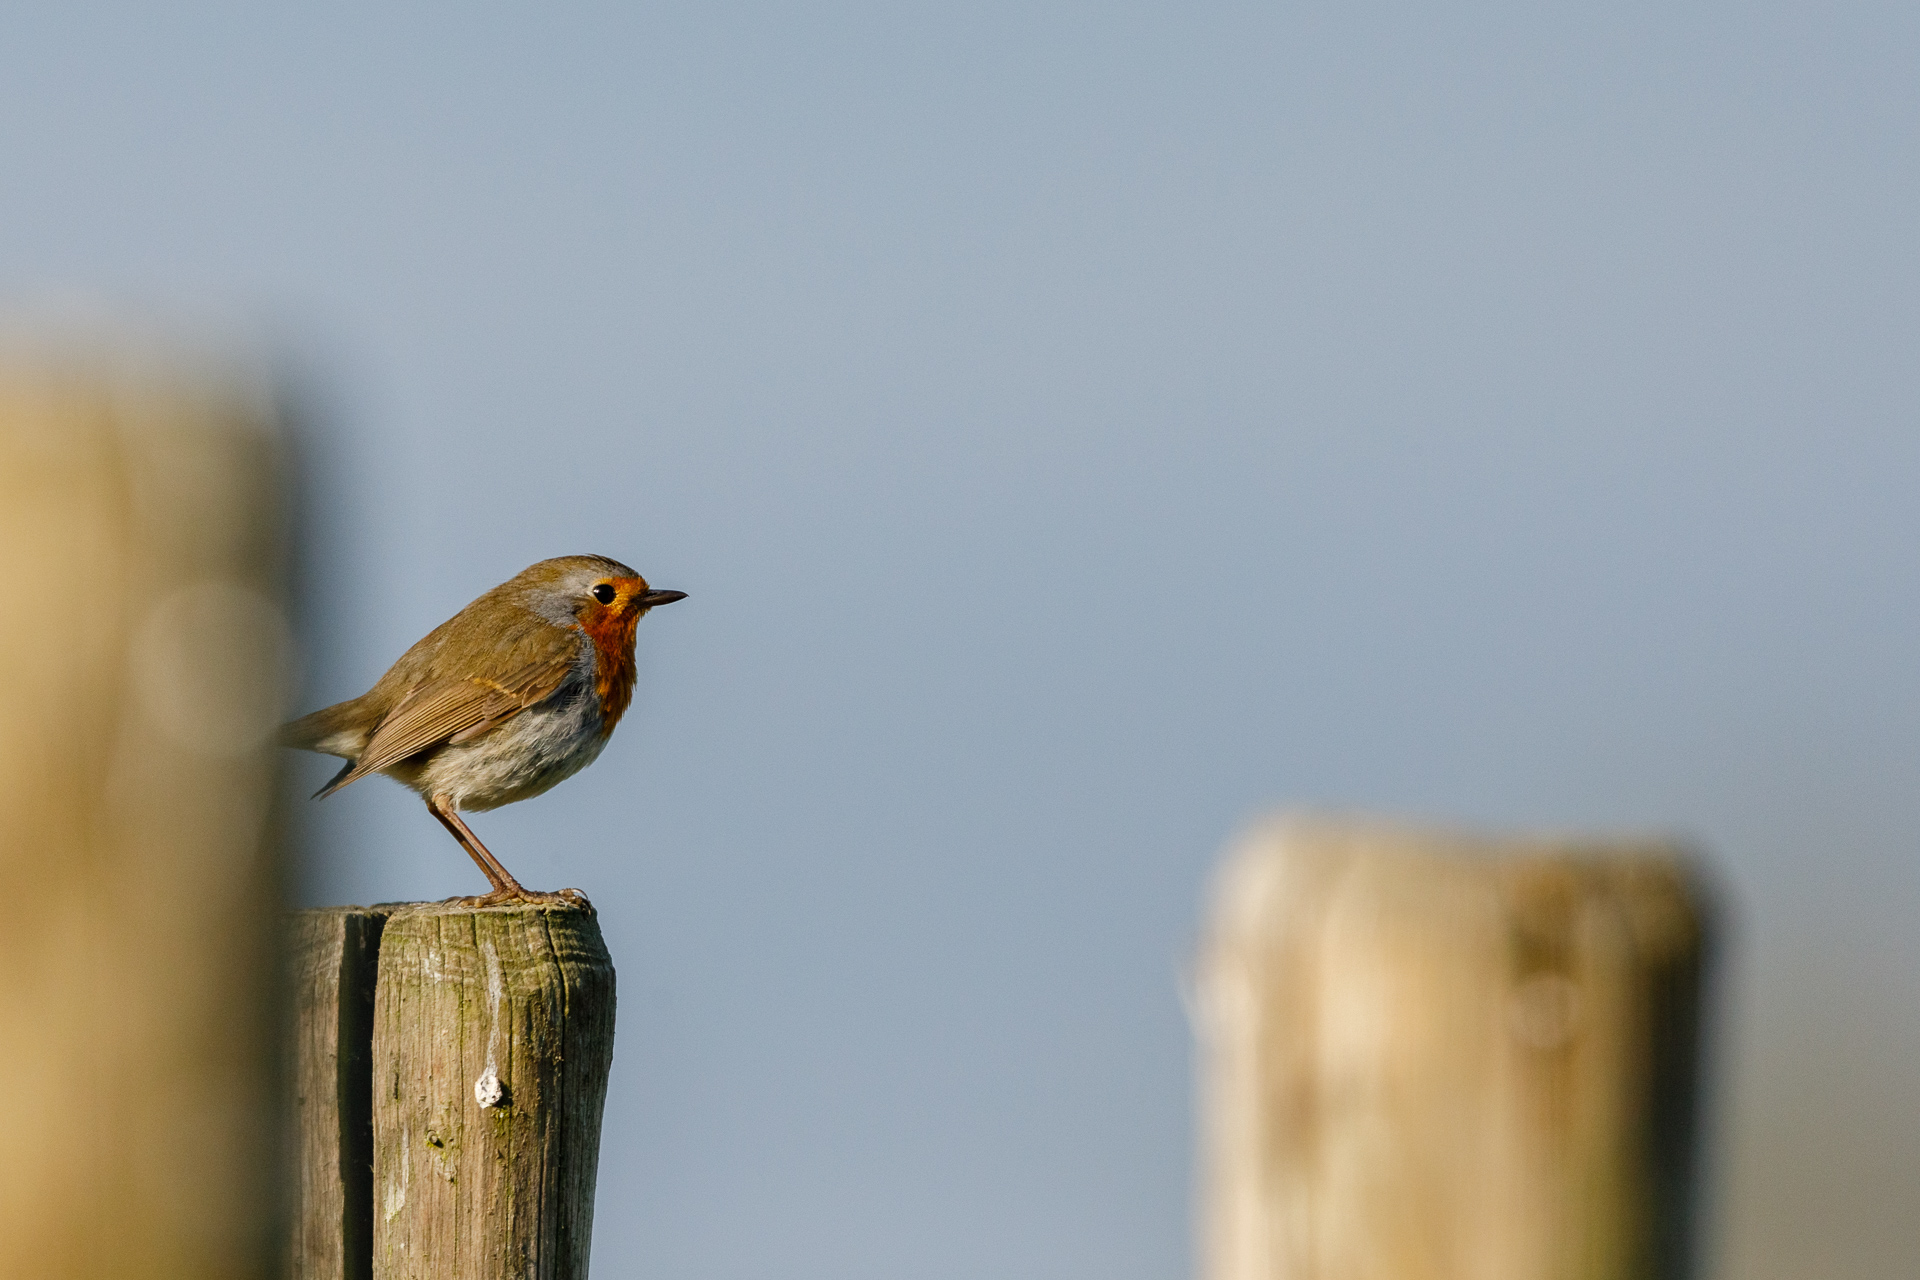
<point>1433,1057</point>
<point>143,653</point>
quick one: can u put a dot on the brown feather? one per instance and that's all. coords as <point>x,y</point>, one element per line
<point>338,730</point>
<point>530,661</point>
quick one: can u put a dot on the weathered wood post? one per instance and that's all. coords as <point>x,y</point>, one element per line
<point>493,1036</point>
<point>332,964</point>
<point>480,1041</point>
<point>142,654</point>
<point>1430,1057</point>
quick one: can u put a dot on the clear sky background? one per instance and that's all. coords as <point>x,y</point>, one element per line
<point>1081,428</point>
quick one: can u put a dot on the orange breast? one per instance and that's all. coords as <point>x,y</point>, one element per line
<point>612,636</point>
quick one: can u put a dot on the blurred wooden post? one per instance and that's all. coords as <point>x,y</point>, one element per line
<point>1434,1058</point>
<point>489,1046</point>
<point>143,651</point>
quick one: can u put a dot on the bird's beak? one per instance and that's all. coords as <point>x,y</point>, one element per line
<point>653,598</point>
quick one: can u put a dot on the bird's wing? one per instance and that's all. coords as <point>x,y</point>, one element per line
<point>460,710</point>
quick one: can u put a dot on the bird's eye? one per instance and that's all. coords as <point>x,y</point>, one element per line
<point>603,592</point>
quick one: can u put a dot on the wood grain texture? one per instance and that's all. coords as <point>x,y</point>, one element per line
<point>332,963</point>
<point>143,647</point>
<point>493,1038</point>
<point>1431,1057</point>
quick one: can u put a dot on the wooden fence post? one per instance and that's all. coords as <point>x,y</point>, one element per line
<point>143,652</point>
<point>331,967</point>
<point>1429,1057</point>
<point>487,1053</point>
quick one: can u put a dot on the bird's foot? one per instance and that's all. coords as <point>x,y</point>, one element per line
<point>514,896</point>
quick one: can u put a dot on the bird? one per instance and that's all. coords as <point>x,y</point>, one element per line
<point>515,693</point>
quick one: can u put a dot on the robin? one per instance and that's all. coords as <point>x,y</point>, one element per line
<point>514,693</point>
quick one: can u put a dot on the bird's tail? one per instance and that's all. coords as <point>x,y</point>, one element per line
<point>331,731</point>
<point>339,730</point>
<point>337,781</point>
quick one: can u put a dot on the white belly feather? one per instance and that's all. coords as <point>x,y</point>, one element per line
<point>541,746</point>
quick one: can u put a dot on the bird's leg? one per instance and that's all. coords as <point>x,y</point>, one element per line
<point>497,875</point>
<point>505,887</point>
